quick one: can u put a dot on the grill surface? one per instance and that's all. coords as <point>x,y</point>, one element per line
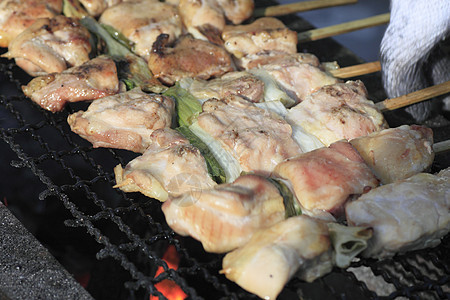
<point>119,239</point>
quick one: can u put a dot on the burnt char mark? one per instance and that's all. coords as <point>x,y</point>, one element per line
<point>212,33</point>
<point>160,44</point>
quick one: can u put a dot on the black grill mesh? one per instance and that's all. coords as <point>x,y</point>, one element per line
<point>129,229</point>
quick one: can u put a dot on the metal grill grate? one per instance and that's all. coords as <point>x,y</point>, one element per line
<point>129,229</point>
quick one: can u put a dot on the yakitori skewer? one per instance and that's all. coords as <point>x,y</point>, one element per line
<point>281,10</point>
<point>414,97</point>
<point>321,33</point>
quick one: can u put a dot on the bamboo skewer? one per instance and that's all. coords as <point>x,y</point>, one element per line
<point>321,33</point>
<point>282,10</point>
<point>356,70</point>
<point>414,97</point>
<point>441,147</point>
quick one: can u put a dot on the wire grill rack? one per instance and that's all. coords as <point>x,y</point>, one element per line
<point>128,231</point>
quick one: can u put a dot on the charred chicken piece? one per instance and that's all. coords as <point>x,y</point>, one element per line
<point>296,246</point>
<point>18,15</point>
<point>123,121</point>
<point>338,111</point>
<point>325,178</point>
<point>50,46</point>
<point>226,216</point>
<point>265,35</point>
<point>257,138</point>
<point>143,21</point>
<point>397,153</point>
<point>94,79</point>
<point>241,84</point>
<point>188,58</point>
<point>170,167</point>
<point>406,215</point>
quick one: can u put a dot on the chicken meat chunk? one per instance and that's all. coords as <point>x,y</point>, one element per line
<point>265,35</point>
<point>170,167</point>
<point>257,138</point>
<point>143,21</point>
<point>97,7</point>
<point>18,15</point>
<point>189,57</point>
<point>50,46</point>
<point>205,19</point>
<point>298,78</point>
<point>406,215</point>
<point>397,153</point>
<point>92,80</point>
<point>226,216</point>
<point>324,179</point>
<point>242,84</point>
<point>123,121</point>
<point>296,246</point>
<point>338,111</point>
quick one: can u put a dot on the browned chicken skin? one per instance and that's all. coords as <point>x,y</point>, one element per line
<point>50,46</point>
<point>94,79</point>
<point>17,15</point>
<point>189,58</point>
<point>123,121</point>
<point>143,21</point>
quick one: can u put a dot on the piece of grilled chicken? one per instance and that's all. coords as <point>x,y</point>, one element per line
<point>298,245</point>
<point>337,111</point>
<point>255,41</point>
<point>205,19</point>
<point>322,180</point>
<point>50,46</point>
<point>242,84</point>
<point>189,57</point>
<point>258,139</point>
<point>94,79</point>
<point>142,21</point>
<point>397,153</point>
<point>226,216</point>
<point>97,7</point>
<point>169,167</point>
<point>405,215</point>
<point>123,121</point>
<point>18,15</point>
